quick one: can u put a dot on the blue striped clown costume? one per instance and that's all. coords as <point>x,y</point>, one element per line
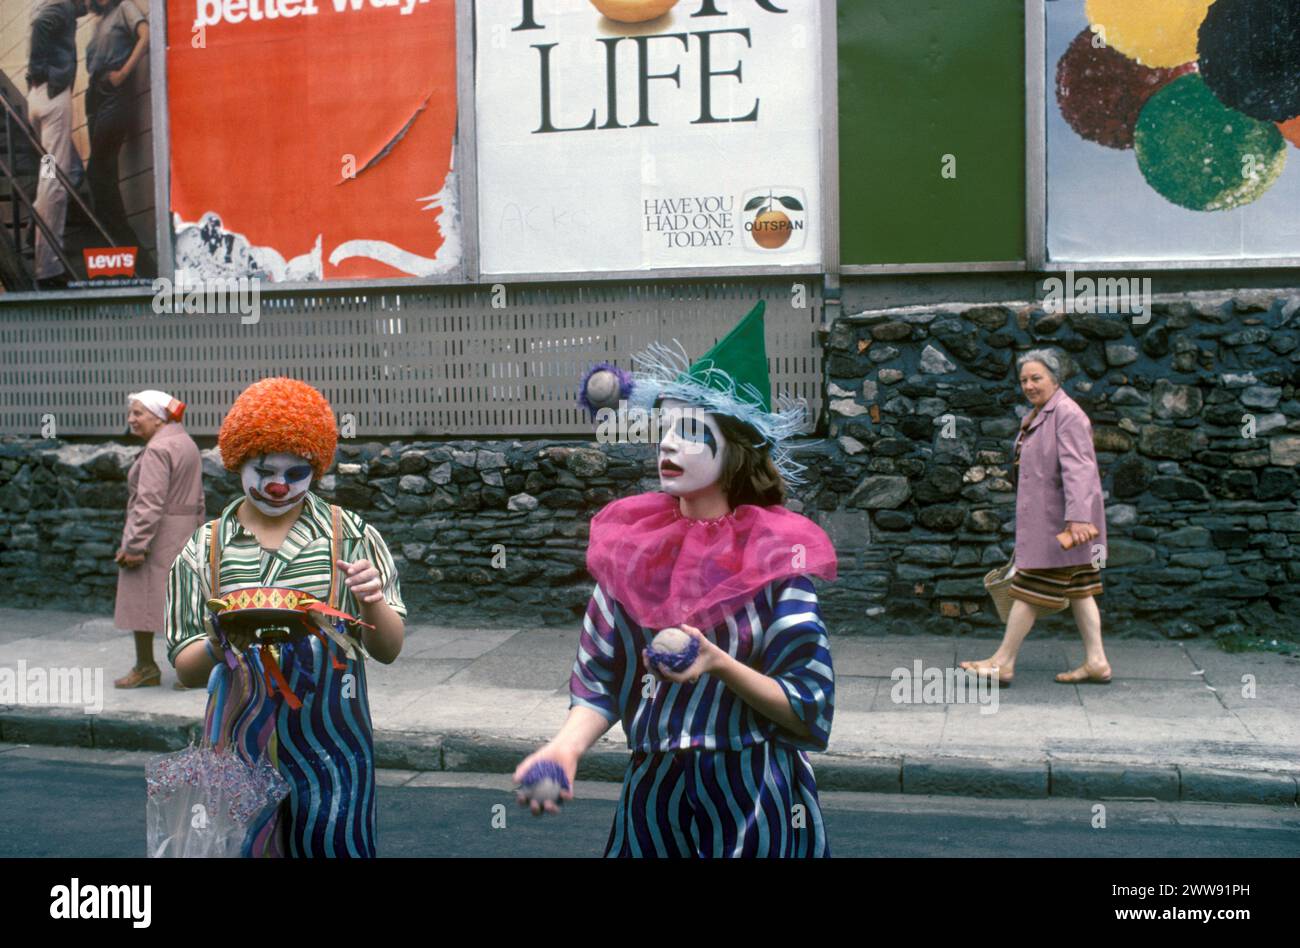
<point>710,775</point>
<point>325,748</point>
<point>302,705</point>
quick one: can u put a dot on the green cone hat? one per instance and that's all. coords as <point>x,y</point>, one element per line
<point>739,362</point>
<point>730,379</point>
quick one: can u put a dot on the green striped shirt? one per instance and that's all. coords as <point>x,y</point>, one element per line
<point>302,562</point>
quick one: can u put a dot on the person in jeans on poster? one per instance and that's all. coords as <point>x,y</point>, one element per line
<point>120,42</point>
<point>51,71</point>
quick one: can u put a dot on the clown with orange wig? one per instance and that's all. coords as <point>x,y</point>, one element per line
<point>275,604</point>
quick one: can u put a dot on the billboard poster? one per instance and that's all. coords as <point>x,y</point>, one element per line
<point>642,134</point>
<point>76,155</point>
<point>312,139</point>
<point>931,132</point>
<point>1172,130</point>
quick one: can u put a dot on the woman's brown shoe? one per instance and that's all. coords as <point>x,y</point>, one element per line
<point>1086,674</point>
<point>140,678</point>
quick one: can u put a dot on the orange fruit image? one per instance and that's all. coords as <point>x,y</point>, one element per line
<point>1291,130</point>
<point>771,229</point>
<point>633,11</point>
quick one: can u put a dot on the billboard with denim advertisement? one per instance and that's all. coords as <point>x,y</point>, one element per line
<point>77,204</point>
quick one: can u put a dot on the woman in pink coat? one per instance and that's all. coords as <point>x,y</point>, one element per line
<point>1058,491</point>
<point>164,507</point>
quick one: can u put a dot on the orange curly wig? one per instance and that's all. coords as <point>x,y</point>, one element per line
<point>279,415</point>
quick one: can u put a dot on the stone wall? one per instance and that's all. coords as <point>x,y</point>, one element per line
<point>479,530</point>
<point>1197,428</point>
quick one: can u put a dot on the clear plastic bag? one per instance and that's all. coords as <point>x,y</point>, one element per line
<point>203,803</point>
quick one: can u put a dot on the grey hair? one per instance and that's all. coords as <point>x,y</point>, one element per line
<point>1046,357</point>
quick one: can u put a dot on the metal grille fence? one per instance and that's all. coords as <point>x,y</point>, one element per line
<point>436,362</point>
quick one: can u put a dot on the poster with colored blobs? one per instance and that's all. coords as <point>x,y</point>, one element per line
<point>1170,127</point>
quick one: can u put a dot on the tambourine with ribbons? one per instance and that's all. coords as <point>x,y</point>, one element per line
<point>256,618</point>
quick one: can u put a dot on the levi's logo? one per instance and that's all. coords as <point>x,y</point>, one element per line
<point>109,261</point>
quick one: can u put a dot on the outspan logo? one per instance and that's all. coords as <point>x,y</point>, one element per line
<point>775,219</point>
<point>109,261</point>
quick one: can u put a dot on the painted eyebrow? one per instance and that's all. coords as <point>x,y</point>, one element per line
<point>705,435</point>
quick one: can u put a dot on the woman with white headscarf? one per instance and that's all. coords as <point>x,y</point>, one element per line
<point>164,507</point>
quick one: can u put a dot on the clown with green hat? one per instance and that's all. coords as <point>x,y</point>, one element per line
<point>730,379</point>
<point>703,634</point>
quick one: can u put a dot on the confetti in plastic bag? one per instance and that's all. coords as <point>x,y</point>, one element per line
<point>202,802</point>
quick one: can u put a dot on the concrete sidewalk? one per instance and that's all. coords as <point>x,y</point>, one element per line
<point>1180,721</point>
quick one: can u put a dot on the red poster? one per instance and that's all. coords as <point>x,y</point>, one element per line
<point>312,139</point>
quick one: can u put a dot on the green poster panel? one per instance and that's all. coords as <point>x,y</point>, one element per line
<point>920,80</point>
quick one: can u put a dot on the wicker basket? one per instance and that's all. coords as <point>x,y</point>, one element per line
<point>998,583</point>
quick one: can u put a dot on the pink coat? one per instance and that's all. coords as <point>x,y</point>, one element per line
<point>163,509</point>
<point>1058,482</point>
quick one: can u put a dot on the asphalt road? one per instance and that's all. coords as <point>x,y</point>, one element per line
<point>90,803</point>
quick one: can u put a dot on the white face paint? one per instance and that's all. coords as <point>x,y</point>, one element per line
<point>274,483</point>
<point>691,449</point>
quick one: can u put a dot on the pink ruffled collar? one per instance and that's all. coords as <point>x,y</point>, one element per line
<point>665,569</point>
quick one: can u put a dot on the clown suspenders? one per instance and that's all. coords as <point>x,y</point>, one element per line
<point>214,556</point>
<point>271,669</point>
